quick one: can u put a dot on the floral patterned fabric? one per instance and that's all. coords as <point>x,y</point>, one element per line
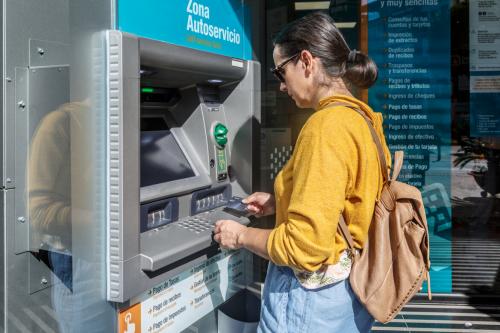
<point>326,275</point>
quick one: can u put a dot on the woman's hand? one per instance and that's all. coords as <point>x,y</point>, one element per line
<point>260,204</point>
<point>229,234</point>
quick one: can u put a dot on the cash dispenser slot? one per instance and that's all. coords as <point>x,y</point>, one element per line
<point>159,213</point>
<point>206,200</point>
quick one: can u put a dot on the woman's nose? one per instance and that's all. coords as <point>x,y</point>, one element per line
<point>283,86</point>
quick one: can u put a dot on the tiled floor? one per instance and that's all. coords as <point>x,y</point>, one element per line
<point>419,317</point>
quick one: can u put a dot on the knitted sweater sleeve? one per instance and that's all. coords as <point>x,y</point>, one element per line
<point>321,177</point>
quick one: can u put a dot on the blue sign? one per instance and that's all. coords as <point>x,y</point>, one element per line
<point>410,42</point>
<point>484,101</point>
<point>217,26</point>
<point>484,62</point>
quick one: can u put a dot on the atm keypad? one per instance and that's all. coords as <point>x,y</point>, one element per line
<point>197,224</point>
<point>204,223</point>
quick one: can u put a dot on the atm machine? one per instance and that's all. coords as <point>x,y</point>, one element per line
<point>119,152</point>
<point>180,138</point>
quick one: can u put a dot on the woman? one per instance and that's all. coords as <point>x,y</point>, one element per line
<point>333,171</point>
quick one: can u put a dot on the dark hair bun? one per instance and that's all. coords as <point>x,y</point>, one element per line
<point>317,33</point>
<point>361,71</point>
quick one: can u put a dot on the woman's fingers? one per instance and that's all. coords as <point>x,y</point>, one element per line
<point>258,198</point>
<point>217,226</point>
<point>254,209</point>
<point>217,237</point>
<point>227,232</point>
<point>254,197</point>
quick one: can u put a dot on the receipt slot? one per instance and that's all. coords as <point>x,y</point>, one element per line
<point>179,147</point>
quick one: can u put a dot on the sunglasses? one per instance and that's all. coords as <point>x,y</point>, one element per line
<point>279,70</point>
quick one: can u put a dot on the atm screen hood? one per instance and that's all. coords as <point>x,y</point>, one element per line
<point>180,67</point>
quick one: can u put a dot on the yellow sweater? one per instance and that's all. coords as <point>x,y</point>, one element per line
<point>334,168</point>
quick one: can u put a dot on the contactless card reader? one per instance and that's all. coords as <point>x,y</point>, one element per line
<point>236,207</point>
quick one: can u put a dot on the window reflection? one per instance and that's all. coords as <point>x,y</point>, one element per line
<point>458,171</point>
<point>76,298</point>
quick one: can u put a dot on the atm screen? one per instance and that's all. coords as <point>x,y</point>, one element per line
<point>162,160</point>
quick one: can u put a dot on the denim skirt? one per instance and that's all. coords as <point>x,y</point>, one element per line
<point>287,307</point>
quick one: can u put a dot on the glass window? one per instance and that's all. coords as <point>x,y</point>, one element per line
<point>438,90</point>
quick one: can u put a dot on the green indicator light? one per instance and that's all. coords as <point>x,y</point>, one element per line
<point>220,134</point>
<point>147,90</point>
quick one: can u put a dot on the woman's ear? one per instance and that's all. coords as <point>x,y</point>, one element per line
<point>308,62</point>
<point>307,59</point>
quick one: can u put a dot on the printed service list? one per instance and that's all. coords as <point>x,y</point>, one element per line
<point>409,41</point>
<point>177,303</point>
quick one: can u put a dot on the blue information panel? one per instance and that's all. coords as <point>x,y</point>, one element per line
<point>484,59</point>
<point>485,104</point>
<point>217,26</point>
<point>410,42</point>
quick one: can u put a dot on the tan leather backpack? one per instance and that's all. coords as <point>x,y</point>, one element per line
<point>395,259</point>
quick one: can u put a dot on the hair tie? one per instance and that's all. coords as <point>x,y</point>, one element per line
<point>351,58</point>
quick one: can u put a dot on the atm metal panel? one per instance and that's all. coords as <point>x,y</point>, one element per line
<point>138,261</point>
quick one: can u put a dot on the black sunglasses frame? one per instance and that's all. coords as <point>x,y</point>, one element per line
<point>278,71</point>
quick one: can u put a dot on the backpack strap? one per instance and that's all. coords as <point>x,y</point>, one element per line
<point>376,140</point>
<point>397,164</point>
<point>347,235</point>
